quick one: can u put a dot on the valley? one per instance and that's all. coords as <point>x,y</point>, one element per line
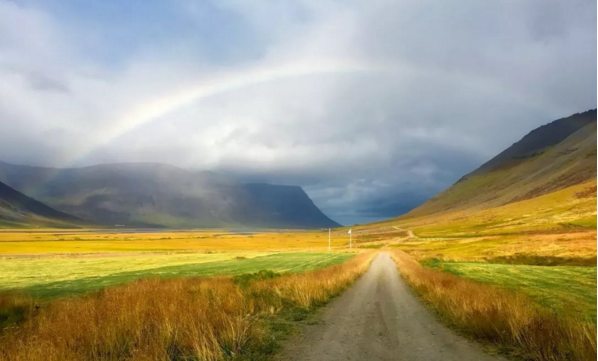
<point>298,180</point>
<point>501,265</point>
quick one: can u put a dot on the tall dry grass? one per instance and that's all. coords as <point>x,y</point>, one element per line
<point>175,319</point>
<point>499,316</point>
<point>14,308</point>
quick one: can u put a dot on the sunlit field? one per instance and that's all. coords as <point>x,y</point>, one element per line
<point>113,241</point>
<point>206,318</point>
<point>570,291</point>
<point>177,294</point>
<point>504,275</point>
<point>572,248</point>
<point>62,276</point>
<point>521,277</point>
<point>51,263</point>
<point>503,317</point>
<point>566,210</point>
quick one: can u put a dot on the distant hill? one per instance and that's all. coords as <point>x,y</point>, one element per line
<point>16,209</point>
<point>552,157</point>
<point>159,195</point>
<point>288,205</point>
<point>546,182</point>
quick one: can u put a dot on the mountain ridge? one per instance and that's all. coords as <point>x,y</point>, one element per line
<point>541,138</point>
<point>16,209</point>
<point>554,156</point>
<point>161,195</point>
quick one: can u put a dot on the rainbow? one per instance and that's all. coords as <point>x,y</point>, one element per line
<point>153,109</point>
<point>156,108</point>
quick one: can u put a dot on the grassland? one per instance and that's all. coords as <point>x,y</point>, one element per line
<point>498,273</point>
<point>566,210</point>
<point>19,242</point>
<point>501,317</point>
<point>521,275</point>
<point>573,248</point>
<point>52,268</point>
<point>570,291</point>
<point>177,319</point>
<point>48,277</point>
<point>49,263</point>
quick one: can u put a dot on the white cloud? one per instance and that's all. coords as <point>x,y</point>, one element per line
<point>360,102</point>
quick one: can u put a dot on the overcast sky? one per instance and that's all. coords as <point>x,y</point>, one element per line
<point>371,105</point>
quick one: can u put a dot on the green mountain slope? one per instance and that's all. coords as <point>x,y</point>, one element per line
<point>16,210</point>
<point>160,195</point>
<point>550,158</point>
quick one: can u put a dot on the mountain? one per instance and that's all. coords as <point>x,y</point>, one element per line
<point>550,158</point>
<point>288,205</point>
<point>16,209</point>
<point>160,195</point>
<point>544,183</point>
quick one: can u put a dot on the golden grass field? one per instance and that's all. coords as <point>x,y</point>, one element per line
<point>163,295</point>
<point>578,248</point>
<point>183,318</point>
<point>19,242</point>
<point>518,276</point>
<point>501,317</point>
<point>566,210</point>
<point>59,276</point>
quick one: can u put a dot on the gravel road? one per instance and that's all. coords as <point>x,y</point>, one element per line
<point>378,318</point>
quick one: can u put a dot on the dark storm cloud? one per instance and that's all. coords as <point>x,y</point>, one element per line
<point>374,105</point>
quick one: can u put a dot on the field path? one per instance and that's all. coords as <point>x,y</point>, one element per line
<point>379,318</point>
<point>409,232</point>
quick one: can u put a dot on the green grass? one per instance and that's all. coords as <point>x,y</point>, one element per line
<point>568,290</point>
<point>55,277</point>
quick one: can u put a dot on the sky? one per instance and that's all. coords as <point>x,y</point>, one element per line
<point>372,106</point>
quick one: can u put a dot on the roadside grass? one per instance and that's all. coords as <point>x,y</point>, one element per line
<point>213,318</point>
<point>50,277</point>
<point>569,291</point>
<point>499,316</point>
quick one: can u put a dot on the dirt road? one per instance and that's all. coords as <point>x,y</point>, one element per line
<point>409,232</point>
<point>379,318</point>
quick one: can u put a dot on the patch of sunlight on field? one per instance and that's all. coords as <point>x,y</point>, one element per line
<point>554,211</point>
<point>59,276</point>
<point>566,289</point>
<point>60,242</point>
<point>578,248</point>
<point>24,272</point>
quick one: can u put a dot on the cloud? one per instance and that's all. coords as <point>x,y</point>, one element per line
<point>372,106</point>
